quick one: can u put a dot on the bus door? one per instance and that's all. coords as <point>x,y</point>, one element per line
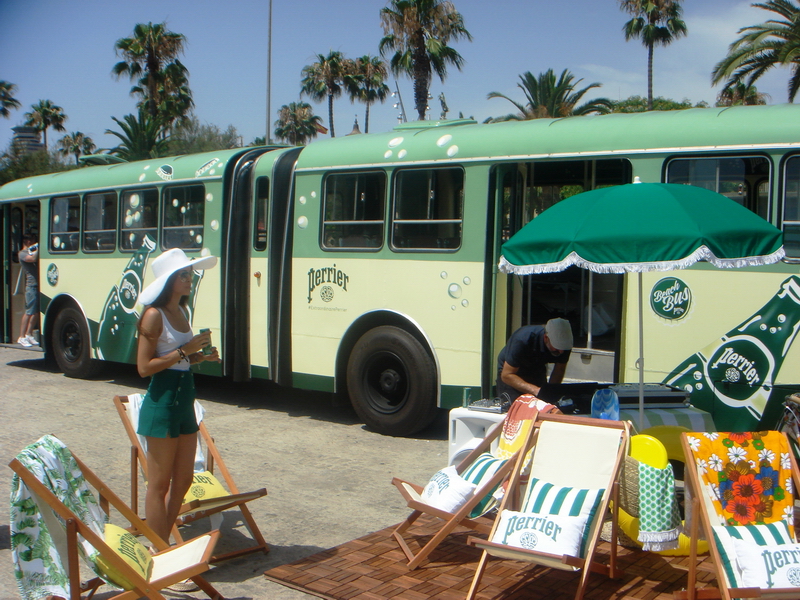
<point>271,198</point>
<point>589,301</point>
<point>21,218</point>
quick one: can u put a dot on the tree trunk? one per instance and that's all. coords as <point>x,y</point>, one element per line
<point>421,96</point>
<point>422,78</point>
<point>650,77</point>
<point>366,119</point>
<point>330,114</point>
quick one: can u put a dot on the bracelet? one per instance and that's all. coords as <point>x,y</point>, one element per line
<point>182,354</point>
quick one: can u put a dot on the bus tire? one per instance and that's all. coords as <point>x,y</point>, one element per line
<point>72,344</point>
<point>392,382</point>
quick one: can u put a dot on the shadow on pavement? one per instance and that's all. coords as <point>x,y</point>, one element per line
<point>251,395</point>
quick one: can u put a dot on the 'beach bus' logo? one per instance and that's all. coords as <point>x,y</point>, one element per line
<point>325,279</point>
<point>671,298</point>
<point>52,275</point>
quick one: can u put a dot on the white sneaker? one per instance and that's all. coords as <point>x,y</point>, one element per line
<point>23,341</point>
<point>32,340</point>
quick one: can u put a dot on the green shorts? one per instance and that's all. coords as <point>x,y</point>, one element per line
<point>168,407</point>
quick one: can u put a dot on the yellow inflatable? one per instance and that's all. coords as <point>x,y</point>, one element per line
<point>649,450</point>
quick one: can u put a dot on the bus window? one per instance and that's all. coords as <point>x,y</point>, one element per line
<point>100,222</point>
<point>428,209</point>
<point>138,217</point>
<point>738,178</point>
<point>353,213</point>
<point>791,207</point>
<point>183,208</point>
<point>260,213</point>
<point>64,223</point>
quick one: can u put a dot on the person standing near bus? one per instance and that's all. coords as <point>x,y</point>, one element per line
<point>522,364</point>
<point>28,262</point>
<point>166,350</point>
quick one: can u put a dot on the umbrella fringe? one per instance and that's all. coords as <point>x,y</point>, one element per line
<point>702,253</point>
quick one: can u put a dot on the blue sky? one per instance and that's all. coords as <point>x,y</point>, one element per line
<point>64,52</point>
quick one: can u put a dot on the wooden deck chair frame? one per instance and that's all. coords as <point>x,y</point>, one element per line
<point>565,562</point>
<point>411,493</point>
<point>703,511</point>
<point>196,509</point>
<point>75,527</point>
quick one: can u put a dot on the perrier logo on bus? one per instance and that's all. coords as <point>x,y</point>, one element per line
<point>670,298</point>
<point>129,289</point>
<point>741,359</point>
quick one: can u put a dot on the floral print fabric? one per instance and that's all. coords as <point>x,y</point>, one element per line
<point>748,475</point>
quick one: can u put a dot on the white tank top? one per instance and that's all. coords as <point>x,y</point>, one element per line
<point>170,339</point>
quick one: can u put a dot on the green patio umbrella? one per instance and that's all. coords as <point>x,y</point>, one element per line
<point>641,227</point>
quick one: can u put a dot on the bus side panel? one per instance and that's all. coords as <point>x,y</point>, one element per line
<point>443,298</point>
<point>702,305</point>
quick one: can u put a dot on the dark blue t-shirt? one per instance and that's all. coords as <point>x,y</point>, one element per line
<point>527,352</point>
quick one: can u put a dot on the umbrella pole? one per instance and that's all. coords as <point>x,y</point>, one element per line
<point>641,358</point>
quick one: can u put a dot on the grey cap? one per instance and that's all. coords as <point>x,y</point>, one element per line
<point>560,333</point>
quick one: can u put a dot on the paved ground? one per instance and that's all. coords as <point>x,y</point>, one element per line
<point>327,476</point>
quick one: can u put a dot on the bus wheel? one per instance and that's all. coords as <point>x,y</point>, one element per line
<point>391,380</point>
<point>72,345</point>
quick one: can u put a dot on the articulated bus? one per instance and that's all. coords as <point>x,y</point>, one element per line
<point>367,264</point>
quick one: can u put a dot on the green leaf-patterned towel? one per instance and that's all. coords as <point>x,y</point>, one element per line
<point>38,536</point>
<point>659,517</point>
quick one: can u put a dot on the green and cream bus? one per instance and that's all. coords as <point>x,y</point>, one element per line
<point>367,264</point>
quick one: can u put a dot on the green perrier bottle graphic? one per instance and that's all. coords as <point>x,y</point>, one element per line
<point>117,340</point>
<point>739,369</point>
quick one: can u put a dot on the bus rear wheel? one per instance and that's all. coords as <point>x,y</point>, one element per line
<point>392,382</point>
<point>72,344</point>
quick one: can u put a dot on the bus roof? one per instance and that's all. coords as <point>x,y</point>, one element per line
<point>717,129</point>
<point>207,165</point>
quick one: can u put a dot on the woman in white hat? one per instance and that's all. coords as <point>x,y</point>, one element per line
<point>166,349</point>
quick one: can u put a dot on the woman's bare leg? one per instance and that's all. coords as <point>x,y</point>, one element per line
<point>183,471</point>
<point>161,455</point>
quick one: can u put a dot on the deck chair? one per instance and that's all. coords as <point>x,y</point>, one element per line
<point>56,520</point>
<point>573,477</point>
<point>741,489</point>
<point>207,497</point>
<point>485,468</point>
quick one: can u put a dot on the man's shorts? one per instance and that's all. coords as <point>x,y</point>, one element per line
<point>168,407</point>
<point>31,300</point>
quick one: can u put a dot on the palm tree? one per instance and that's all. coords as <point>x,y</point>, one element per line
<point>418,32</point>
<point>150,58</point>
<point>7,99</point>
<point>739,94</point>
<point>775,42</point>
<point>44,115</point>
<point>656,23</point>
<point>324,79</point>
<point>174,101</point>
<point>297,123</point>
<point>366,82</point>
<point>141,137</point>
<point>549,98</point>
<point>76,143</point>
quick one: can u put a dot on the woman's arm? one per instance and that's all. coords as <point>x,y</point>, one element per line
<point>147,363</point>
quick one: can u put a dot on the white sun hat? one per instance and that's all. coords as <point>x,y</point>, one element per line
<point>168,263</point>
<point>560,333</point>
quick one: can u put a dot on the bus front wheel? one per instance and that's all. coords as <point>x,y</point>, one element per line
<point>392,382</point>
<point>72,345</point>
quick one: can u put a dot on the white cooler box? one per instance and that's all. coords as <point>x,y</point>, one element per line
<point>467,430</point>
